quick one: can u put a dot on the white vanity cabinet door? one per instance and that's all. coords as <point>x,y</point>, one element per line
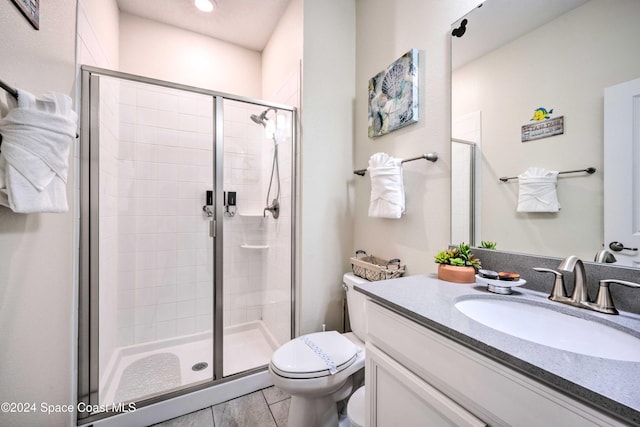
<point>485,388</point>
<point>398,397</point>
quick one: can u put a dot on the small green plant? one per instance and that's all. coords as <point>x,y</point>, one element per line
<point>486,244</point>
<point>460,256</point>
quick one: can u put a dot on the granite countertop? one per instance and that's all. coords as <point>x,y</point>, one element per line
<point>608,385</point>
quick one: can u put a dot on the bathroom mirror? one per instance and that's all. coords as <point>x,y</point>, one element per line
<point>510,59</point>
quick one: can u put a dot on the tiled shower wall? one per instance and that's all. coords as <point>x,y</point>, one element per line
<point>154,178</point>
<point>245,239</point>
<point>257,249</point>
<point>165,254</point>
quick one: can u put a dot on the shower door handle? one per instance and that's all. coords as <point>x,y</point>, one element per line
<point>208,204</point>
<point>212,228</point>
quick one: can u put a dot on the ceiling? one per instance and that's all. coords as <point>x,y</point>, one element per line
<point>497,22</point>
<point>246,23</point>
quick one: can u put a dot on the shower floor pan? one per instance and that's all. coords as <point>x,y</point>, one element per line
<point>143,370</point>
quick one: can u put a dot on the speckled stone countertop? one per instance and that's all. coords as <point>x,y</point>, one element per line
<point>611,386</point>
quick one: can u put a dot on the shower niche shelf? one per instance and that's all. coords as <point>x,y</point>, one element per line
<point>254,231</point>
<point>254,247</point>
<point>251,215</point>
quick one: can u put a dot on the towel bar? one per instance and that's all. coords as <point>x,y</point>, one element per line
<point>9,89</point>
<point>13,92</point>
<point>587,170</point>
<point>432,157</point>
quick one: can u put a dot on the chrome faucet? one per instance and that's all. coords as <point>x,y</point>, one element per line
<point>604,302</point>
<point>604,256</point>
<point>580,295</point>
<point>580,292</point>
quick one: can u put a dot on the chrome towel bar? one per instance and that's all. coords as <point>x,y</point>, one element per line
<point>587,170</point>
<point>432,157</point>
<point>9,89</point>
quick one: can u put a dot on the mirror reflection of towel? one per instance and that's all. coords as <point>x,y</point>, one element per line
<point>387,187</point>
<point>537,191</point>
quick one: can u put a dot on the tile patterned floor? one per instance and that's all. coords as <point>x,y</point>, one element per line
<point>263,408</point>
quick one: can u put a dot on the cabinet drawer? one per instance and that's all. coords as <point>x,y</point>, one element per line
<point>491,391</point>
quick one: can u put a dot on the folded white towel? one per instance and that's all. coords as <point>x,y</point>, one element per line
<point>34,155</point>
<point>537,191</point>
<point>387,187</point>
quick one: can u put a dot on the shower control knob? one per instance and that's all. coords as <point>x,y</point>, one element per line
<point>617,247</point>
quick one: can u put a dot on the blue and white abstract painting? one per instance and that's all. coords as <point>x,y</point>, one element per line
<point>393,96</point>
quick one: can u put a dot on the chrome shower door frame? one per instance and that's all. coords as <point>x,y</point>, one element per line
<point>88,308</point>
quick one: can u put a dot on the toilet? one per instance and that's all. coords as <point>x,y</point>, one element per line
<point>317,369</point>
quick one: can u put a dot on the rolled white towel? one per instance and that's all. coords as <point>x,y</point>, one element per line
<point>387,186</point>
<point>537,191</point>
<point>34,155</point>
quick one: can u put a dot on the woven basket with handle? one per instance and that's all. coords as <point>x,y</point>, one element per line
<point>372,268</point>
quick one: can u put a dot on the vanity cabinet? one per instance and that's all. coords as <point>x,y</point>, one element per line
<point>416,376</point>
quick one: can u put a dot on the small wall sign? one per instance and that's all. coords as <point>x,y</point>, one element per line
<point>31,10</point>
<point>543,129</point>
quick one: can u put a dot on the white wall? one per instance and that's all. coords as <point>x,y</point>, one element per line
<point>326,199</point>
<point>151,49</point>
<point>385,31</point>
<point>37,293</point>
<point>98,23</point>
<point>283,53</point>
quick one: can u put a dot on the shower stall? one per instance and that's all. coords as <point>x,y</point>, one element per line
<point>186,239</point>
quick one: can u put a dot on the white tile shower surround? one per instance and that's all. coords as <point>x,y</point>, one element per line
<point>165,259</point>
<point>157,143</point>
<point>257,250</point>
<point>246,347</point>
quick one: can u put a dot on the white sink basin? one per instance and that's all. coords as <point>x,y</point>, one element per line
<point>552,328</point>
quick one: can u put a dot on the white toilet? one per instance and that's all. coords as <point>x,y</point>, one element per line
<point>316,369</point>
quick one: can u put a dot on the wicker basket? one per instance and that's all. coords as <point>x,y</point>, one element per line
<point>373,269</point>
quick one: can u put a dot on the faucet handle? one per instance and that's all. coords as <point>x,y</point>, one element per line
<point>559,292</point>
<point>604,302</point>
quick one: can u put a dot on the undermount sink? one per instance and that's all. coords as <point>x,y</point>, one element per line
<point>546,326</point>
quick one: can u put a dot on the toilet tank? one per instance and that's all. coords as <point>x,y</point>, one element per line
<point>356,304</point>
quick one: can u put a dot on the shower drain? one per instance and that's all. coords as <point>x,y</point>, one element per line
<point>199,366</point>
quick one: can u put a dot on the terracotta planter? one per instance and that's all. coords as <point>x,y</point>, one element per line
<point>455,274</point>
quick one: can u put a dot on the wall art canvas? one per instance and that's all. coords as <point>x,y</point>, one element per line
<point>393,96</point>
<point>31,10</point>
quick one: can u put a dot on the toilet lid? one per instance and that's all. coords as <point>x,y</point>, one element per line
<point>314,355</point>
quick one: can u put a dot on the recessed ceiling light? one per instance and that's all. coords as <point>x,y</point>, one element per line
<point>204,5</point>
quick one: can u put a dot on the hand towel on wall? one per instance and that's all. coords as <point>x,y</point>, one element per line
<point>34,155</point>
<point>537,191</point>
<point>387,187</point>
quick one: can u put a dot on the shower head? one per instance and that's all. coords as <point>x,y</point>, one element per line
<point>258,119</point>
<point>261,119</point>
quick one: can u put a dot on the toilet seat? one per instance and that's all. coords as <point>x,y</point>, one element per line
<point>313,355</point>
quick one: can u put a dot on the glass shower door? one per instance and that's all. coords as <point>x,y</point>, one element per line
<point>258,263</point>
<point>152,254</point>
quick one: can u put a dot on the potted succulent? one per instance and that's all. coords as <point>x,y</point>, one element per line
<point>457,265</point>
<point>486,244</point>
